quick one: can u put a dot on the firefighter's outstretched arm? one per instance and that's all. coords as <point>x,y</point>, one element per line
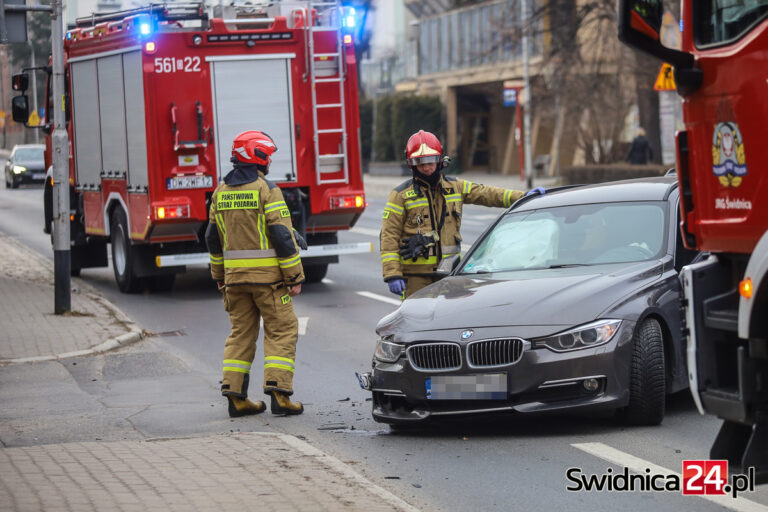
<point>485,195</point>
<point>278,218</point>
<point>391,237</point>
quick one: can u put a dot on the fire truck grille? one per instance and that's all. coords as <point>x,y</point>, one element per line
<point>435,356</point>
<point>495,352</point>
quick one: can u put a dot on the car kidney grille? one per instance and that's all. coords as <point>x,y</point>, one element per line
<point>495,352</point>
<point>435,356</point>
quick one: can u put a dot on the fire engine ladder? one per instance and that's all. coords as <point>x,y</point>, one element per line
<point>328,165</point>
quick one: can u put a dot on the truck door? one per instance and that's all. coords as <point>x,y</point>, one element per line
<point>253,92</point>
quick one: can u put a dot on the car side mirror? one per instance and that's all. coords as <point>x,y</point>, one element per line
<point>448,265</point>
<point>20,82</point>
<point>20,109</point>
<point>639,26</point>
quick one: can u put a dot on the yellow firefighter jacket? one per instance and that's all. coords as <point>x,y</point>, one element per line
<point>256,235</point>
<point>413,207</point>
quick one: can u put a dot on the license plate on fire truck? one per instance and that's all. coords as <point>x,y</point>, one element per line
<point>180,182</point>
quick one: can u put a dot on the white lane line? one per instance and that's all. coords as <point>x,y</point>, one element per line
<point>365,231</point>
<point>380,298</point>
<point>639,466</point>
<point>303,321</point>
<point>327,281</point>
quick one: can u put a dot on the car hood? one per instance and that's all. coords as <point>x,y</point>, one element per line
<point>567,296</point>
<point>31,164</point>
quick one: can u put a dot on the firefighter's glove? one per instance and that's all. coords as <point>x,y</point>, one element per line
<point>415,246</point>
<point>536,190</point>
<point>396,286</point>
<point>300,241</point>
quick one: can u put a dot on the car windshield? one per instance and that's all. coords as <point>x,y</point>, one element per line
<point>29,154</point>
<point>576,235</point>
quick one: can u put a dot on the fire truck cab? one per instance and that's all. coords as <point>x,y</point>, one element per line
<point>154,98</point>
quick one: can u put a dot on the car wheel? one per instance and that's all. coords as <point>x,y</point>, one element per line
<point>315,273</point>
<point>161,283</point>
<point>647,386</point>
<point>123,254</point>
<point>14,183</point>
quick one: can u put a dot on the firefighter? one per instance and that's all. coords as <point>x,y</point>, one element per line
<point>422,217</point>
<point>255,262</point>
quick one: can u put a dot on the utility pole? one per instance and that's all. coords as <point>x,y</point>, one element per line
<point>528,96</point>
<point>60,150</point>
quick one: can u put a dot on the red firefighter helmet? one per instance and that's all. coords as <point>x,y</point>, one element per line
<point>423,148</point>
<point>253,147</point>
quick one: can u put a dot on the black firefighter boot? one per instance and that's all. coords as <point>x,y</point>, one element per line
<point>281,404</point>
<point>244,407</point>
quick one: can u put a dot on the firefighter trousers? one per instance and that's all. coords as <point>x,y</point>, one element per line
<point>416,283</point>
<point>246,304</point>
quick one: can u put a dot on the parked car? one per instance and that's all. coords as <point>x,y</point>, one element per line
<point>569,301</point>
<point>26,164</point>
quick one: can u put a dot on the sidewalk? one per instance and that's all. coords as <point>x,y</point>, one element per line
<point>250,471</point>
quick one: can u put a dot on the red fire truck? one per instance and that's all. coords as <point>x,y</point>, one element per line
<point>155,96</point>
<point>722,166</point>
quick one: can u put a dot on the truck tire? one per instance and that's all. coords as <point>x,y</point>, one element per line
<point>123,254</point>
<point>315,273</point>
<point>647,384</point>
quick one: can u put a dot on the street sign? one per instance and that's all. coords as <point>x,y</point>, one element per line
<point>665,81</point>
<point>510,97</point>
<point>34,119</point>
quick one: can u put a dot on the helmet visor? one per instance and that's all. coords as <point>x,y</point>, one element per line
<point>429,159</point>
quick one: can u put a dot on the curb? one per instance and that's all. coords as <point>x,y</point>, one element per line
<point>111,344</point>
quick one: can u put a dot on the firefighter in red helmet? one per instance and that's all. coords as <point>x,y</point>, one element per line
<point>422,217</point>
<point>255,261</point>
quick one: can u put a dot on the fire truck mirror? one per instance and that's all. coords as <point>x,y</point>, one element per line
<point>20,82</point>
<point>20,108</point>
<point>651,13</point>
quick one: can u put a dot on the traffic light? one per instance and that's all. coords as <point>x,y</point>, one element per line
<point>13,23</point>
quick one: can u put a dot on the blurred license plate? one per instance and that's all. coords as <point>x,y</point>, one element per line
<point>486,386</point>
<point>190,182</point>
<point>38,175</point>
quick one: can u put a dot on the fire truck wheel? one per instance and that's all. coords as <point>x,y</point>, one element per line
<point>123,254</point>
<point>647,385</point>
<point>315,273</point>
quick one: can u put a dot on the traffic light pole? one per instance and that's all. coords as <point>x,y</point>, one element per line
<point>60,151</point>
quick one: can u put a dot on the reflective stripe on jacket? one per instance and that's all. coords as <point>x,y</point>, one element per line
<point>414,207</point>
<point>246,216</point>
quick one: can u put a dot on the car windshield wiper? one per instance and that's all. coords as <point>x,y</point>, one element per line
<point>477,272</point>
<point>566,265</point>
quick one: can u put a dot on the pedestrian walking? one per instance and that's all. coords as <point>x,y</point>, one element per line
<point>422,218</point>
<point>640,152</point>
<point>255,262</point>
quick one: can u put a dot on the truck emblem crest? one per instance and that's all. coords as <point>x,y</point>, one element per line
<point>729,163</point>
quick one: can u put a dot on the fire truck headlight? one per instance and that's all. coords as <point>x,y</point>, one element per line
<point>347,39</point>
<point>197,39</point>
<point>150,47</point>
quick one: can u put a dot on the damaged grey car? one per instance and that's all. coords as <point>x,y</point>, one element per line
<point>569,301</point>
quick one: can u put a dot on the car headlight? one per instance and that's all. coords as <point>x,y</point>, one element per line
<point>18,169</point>
<point>387,351</point>
<point>584,336</point>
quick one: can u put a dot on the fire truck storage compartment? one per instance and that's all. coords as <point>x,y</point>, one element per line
<point>254,92</point>
<point>110,134</point>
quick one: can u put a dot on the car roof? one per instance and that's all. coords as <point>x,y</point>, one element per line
<point>641,189</point>
<point>23,146</point>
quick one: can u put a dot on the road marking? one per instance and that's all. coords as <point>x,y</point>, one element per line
<point>638,465</point>
<point>381,298</point>
<point>365,231</point>
<point>327,281</point>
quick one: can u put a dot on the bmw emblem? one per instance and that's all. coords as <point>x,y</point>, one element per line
<point>465,335</point>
